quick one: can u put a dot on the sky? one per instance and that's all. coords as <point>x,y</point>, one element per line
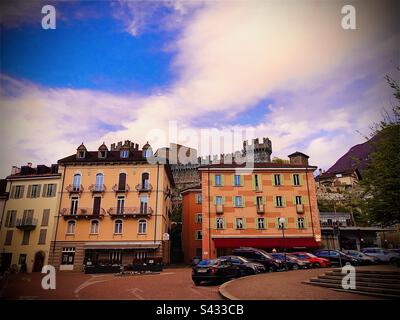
<point>117,70</point>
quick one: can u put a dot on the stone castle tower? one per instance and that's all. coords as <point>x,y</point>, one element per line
<point>261,151</point>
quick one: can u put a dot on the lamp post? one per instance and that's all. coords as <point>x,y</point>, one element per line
<point>282,225</point>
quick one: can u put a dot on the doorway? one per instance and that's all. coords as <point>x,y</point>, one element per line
<point>39,262</point>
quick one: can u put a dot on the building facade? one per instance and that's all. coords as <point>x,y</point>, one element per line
<point>192,227</point>
<point>243,206</point>
<point>114,209</point>
<point>28,217</point>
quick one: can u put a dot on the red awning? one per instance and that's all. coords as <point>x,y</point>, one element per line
<point>265,242</point>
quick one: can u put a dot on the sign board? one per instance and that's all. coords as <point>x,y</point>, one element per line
<point>165,236</point>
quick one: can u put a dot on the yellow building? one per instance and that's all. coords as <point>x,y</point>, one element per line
<point>114,208</point>
<point>27,220</point>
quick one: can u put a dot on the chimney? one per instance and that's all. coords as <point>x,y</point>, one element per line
<point>298,158</point>
<point>29,164</point>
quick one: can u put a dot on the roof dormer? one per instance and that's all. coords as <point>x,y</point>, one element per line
<point>147,150</point>
<point>102,151</point>
<point>81,151</point>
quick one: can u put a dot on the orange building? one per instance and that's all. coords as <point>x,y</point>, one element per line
<point>191,223</point>
<point>243,206</point>
<point>114,208</point>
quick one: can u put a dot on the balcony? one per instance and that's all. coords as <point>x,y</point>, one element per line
<point>130,212</point>
<point>74,189</point>
<point>82,213</point>
<point>26,224</point>
<point>219,208</point>
<point>144,187</point>
<point>300,208</point>
<point>116,188</point>
<point>260,208</point>
<point>97,188</point>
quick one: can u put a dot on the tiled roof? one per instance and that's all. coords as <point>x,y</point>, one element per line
<point>269,165</point>
<point>112,156</point>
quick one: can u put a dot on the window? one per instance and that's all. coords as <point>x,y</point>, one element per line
<point>280,226</point>
<point>218,200</point>
<point>81,154</point>
<point>260,223</point>
<point>94,227</point>
<point>239,223</point>
<point>199,198</point>
<point>199,235</point>
<point>74,205</point>
<point>22,259</point>
<point>76,182</point>
<point>27,217</point>
<point>259,201</point>
<point>256,180</point>
<point>296,179</point>
<point>25,237</point>
<point>199,218</point>
<point>144,204</point>
<point>148,153</point>
<point>124,153</point>
<point>11,218</point>
<point>219,222</point>
<point>9,236</point>
<point>42,236</point>
<point>145,181</point>
<point>279,202</point>
<point>122,181</point>
<point>218,180</point>
<point>237,180</point>
<point>45,217</point>
<point>17,192</point>
<point>298,200</point>
<point>301,223</point>
<point>68,255</point>
<point>99,182</point>
<point>120,204</point>
<point>142,226</point>
<point>33,191</point>
<point>118,227</point>
<point>277,179</point>
<point>49,190</point>
<point>96,205</point>
<point>102,154</point>
<point>238,201</point>
<point>71,227</point>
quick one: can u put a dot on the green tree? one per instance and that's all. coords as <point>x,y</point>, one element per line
<point>381,179</point>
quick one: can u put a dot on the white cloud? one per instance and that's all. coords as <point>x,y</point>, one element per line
<point>229,58</point>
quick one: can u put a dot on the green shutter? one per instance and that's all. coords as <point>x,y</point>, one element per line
<point>253,182</point>
<point>301,179</point>
<point>276,223</point>
<point>297,223</point>
<point>224,222</point>
<point>303,200</point>
<point>242,180</point>
<point>22,192</point>
<point>266,223</point>
<point>222,180</point>
<point>223,200</point>
<point>213,179</point>
<point>233,180</point>
<point>292,179</point>
<point>214,222</point>
<point>282,179</point>
<point>275,203</point>
<point>12,192</point>
<point>255,200</point>
<point>305,223</point>
<point>283,201</point>
<point>212,200</point>
<point>29,191</point>
<point>243,201</point>
<point>244,223</point>
<point>44,190</point>
<point>54,190</point>
<point>286,223</point>
<point>264,200</point>
<point>37,195</point>
<point>273,180</point>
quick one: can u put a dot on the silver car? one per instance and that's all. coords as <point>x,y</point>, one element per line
<point>381,254</point>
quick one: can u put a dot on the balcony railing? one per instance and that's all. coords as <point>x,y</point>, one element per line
<point>74,188</point>
<point>144,187</point>
<point>300,208</point>
<point>97,188</point>
<point>219,208</point>
<point>26,223</point>
<point>260,208</point>
<point>117,189</point>
<point>126,212</point>
<point>80,213</point>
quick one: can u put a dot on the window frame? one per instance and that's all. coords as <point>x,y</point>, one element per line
<point>118,222</point>
<point>71,223</point>
<point>92,223</point>
<point>142,222</point>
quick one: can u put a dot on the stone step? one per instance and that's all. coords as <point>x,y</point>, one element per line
<point>358,283</point>
<point>368,275</point>
<point>361,279</point>
<point>395,292</point>
<point>366,271</point>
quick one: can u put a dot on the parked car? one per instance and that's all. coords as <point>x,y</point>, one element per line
<point>246,266</point>
<point>364,259</point>
<point>215,270</point>
<point>395,251</point>
<point>195,261</point>
<point>292,262</point>
<point>315,261</point>
<point>337,257</point>
<point>381,254</point>
<point>260,256</point>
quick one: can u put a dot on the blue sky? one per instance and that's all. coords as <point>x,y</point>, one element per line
<point>124,69</point>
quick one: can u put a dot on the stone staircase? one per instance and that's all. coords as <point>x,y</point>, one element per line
<point>379,283</point>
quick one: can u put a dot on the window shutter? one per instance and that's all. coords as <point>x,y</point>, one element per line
<point>244,223</point>
<point>233,180</point>
<point>292,179</point>
<point>301,179</point>
<point>44,194</point>
<point>297,224</point>
<point>45,218</point>
<point>224,222</point>
<point>253,182</point>
<point>283,201</point>
<point>266,223</point>
<point>275,202</point>
<point>42,236</point>
<point>273,180</point>
<point>223,200</point>
<point>276,223</point>
<point>255,200</point>
<point>212,199</point>
<point>213,179</point>
<point>53,194</point>
<point>13,218</point>
<point>242,180</point>
<point>29,191</point>
<point>305,222</point>
<point>294,200</point>
<point>281,177</point>
<point>264,200</point>
<point>215,223</point>
<point>303,200</point>
<point>222,180</point>
<point>21,195</point>
<point>286,223</point>
<point>243,203</point>
<point>13,192</point>
<point>37,195</point>
<point>8,222</point>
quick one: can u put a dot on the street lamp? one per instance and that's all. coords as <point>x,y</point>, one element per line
<point>282,225</point>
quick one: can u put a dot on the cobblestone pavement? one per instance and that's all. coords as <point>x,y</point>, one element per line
<point>172,283</point>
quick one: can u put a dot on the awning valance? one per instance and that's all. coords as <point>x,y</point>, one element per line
<point>266,242</point>
<point>121,245</point>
